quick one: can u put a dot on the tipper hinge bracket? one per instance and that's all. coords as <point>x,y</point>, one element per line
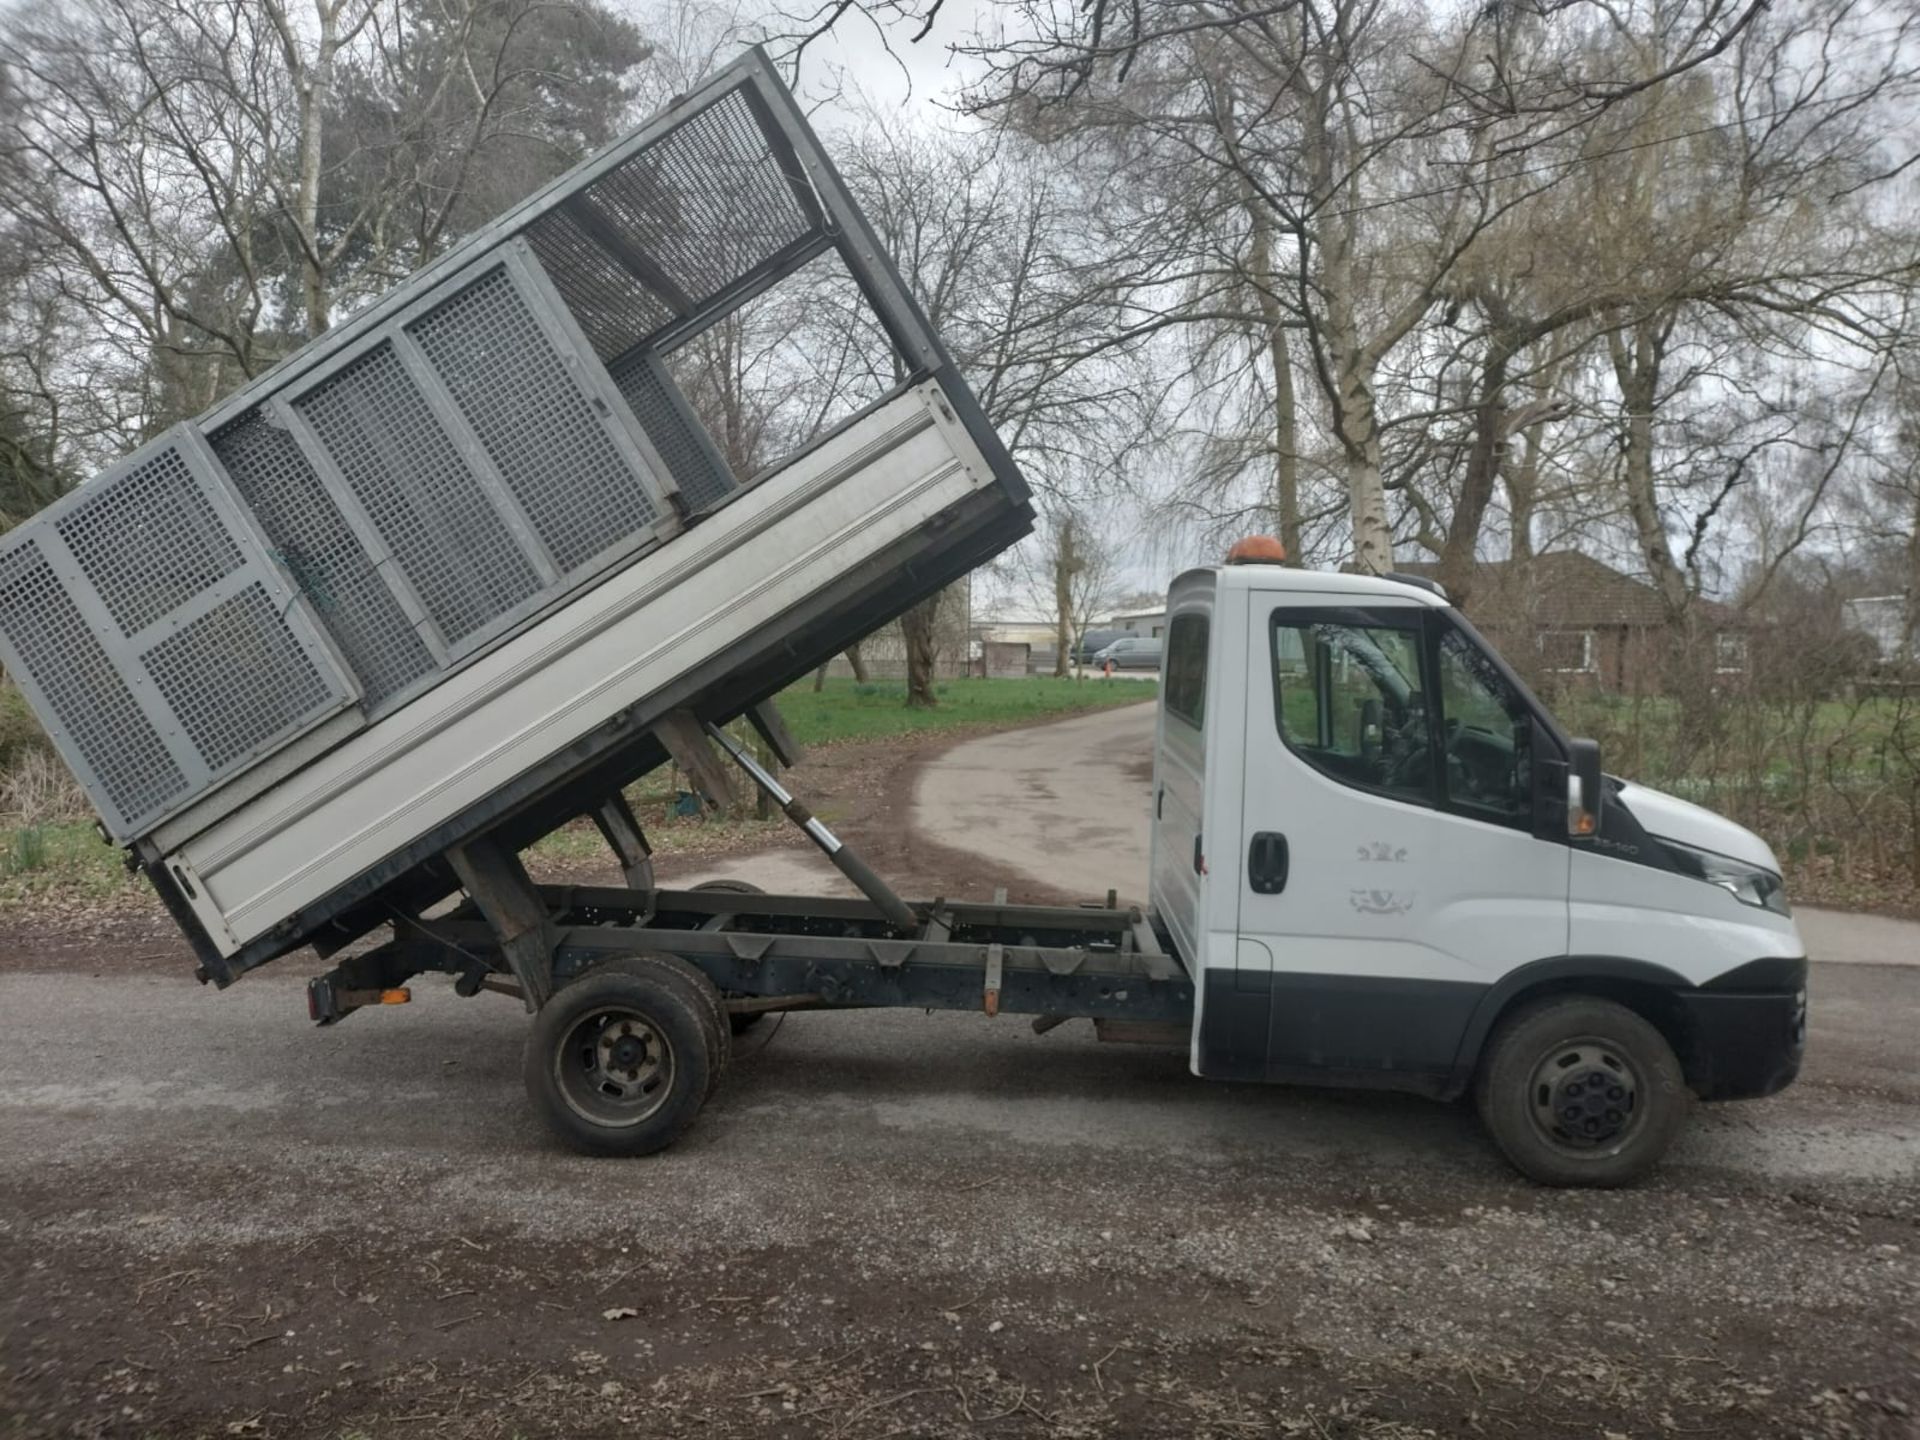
<point>620,828</point>
<point>501,889</point>
<point>680,735</point>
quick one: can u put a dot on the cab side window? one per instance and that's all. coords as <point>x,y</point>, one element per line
<point>1488,735</point>
<point>1186,693</point>
<point>1348,701</point>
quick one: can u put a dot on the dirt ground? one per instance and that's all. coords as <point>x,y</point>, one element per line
<point>215,1220</point>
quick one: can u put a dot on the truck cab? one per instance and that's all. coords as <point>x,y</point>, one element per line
<point>1384,863</point>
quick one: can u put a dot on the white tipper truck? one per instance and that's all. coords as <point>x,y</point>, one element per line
<point>330,657</point>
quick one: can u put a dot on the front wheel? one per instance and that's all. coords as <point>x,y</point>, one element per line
<point>619,1061</point>
<point>1580,1091</point>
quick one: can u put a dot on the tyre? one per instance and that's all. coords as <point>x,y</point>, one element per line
<point>736,1024</point>
<point>620,1061</point>
<point>1580,1091</point>
<point>712,1008</point>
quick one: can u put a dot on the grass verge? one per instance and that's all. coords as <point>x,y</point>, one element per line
<point>850,710</point>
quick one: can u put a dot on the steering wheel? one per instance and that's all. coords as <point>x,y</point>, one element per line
<point>1407,759</point>
<point>1367,738</point>
<point>1520,764</point>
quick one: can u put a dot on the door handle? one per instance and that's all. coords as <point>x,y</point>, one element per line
<point>1267,862</point>
<point>1199,857</point>
<point>1160,803</point>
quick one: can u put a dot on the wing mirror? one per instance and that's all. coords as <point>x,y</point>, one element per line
<point>1586,790</point>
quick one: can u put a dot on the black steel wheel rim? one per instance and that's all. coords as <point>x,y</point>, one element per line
<point>614,1067</point>
<point>1584,1096</point>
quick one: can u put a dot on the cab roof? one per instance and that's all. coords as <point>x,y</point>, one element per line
<point>1333,584</point>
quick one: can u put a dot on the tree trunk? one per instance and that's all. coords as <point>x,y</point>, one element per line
<point>1686,662</point>
<point>1066,563</point>
<point>819,679</point>
<point>1910,629</point>
<point>1357,420</point>
<point>312,80</point>
<point>858,662</point>
<point>1636,367</point>
<point>920,628</point>
<point>1286,459</point>
<point>1286,423</point>
<point>1366,491</point>
<point>1523,479</point>
<point>1483,466</point>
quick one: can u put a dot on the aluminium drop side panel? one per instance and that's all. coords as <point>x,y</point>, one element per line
<point>886,478</point>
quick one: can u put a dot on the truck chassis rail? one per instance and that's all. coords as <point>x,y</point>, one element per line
<point>791,952</point>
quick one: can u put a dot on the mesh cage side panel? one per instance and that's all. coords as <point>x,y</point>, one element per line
<point>706,202</point>
<point>312,540</point>
<point>236,677</point>
<point>104,722</point>
<point>549,446</point>
<point>701,478</point>
<point>425,502</point>
<point>614,310</point>
<point>149,541</point>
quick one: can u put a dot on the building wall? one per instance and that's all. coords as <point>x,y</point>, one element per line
<point>1883,619</point>
<point>885,656</point>
<point>1005,659</point>
<point>1151,624</point>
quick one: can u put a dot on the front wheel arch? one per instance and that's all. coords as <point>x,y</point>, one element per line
<point>1643,987</point>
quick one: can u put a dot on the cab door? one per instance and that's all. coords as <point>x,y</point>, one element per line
<point>1176,884</point>
<point>1388,865</point>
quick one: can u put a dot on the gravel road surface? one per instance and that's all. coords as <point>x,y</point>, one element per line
<point>217,1220</point>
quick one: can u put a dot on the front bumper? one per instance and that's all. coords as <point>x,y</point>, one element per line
<point>1746,1031</point>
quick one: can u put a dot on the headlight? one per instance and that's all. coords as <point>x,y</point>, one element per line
<point>1749,884</point>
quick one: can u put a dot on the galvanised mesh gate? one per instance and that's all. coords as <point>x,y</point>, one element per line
<point>414,486</point>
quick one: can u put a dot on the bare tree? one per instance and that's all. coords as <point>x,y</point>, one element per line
<point>1752,334</point>
<point>990,238</point>
<point>214,179</point>
<point>1073,569</point>
<point>1367,148</point>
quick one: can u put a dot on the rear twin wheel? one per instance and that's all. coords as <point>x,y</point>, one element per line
<point>738,1024</point>
<point>620,1061</point>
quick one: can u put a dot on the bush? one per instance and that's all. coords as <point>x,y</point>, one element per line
<point>35,784</point>
<point>29,851</point>
<point>20,730</point>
